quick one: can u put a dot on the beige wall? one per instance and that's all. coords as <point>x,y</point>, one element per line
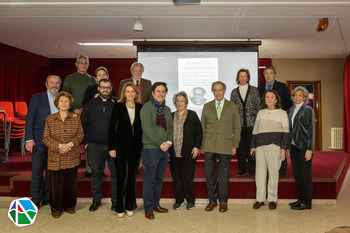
<point>330,73</point>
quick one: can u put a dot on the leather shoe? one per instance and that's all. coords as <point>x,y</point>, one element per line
<point>211,206</point>
<point>301,207</point>
<point>160,209</point>
<point>257,205</point>
<point>272,205</point>
<point>149,215</point>
<point>70,210</point>
<point>223,207</point>
<point>94,206</point>
<point>296,203</point>
<point>114,205</point>
<point>56,214</point>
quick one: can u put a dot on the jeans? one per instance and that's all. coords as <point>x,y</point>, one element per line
<point>155,161</point>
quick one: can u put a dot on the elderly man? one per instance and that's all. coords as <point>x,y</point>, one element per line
<point>221,135</point>
<point>283,92</point>
<point>198,96</point>
<point>142,84</point>
<point>40,106</point>
<point>76,84</point>
<point>95,120</point>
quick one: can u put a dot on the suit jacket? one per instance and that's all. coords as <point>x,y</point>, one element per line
<point>192,135</point>
<point>282,91</point>
<point>38,110</point>
<point>220,136</point>
<point>303,130</point>
<point>124,137</point>
<point>146,89</point>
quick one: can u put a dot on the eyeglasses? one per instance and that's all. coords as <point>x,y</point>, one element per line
<point>105,88</point>
<point>83,63</point>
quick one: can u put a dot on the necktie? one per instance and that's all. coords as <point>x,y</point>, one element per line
<point>269,86</point>
<point>137,82</point>
<point>218,110</point>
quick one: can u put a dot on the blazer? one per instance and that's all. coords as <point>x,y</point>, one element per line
<point>38,110</point>
<point>282,91</point>
<point>220,136</point>
<point>303,130</point>
<point>146,89</point>
<point>124,137</point>
<point>192,135</point>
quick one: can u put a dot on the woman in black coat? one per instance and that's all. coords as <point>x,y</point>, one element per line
<point>302,130</point>
<point>184,150</point>
<point>125,145</point>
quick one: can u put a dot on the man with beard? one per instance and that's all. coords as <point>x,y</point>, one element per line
<point>95,119</point>
<point>40,106</point>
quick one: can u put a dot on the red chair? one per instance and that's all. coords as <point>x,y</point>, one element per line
<point>17,127</point>
<point>21,109</point>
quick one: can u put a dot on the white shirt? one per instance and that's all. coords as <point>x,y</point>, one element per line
<point>243,89</point>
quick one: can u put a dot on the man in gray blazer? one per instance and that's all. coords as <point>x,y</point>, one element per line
<point>221,135</point>
<point>142,84</point>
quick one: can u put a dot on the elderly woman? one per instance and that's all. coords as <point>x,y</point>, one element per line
<point>157,137</point>
<point>302,131</point>
<point>247,99</point>
<point>62,135</point>
<point>125,145</point>
<point>183,153</point>
<point>270,141</point>
<point>91,91</point>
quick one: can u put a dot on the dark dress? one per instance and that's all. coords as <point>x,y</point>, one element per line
<point>126,139</point>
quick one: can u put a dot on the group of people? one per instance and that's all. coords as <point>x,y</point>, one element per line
<point>139,128</point>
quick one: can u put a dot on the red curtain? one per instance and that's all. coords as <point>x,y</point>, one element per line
<point>21,74</point>
<point>346,127</point>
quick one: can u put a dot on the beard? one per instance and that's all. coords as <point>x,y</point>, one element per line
<point>53,90</point>
<point>105,95</point>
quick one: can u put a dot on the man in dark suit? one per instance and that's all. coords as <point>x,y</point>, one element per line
<point>283,92</point>
<point>221,135</point>
<point>142,84</point>
<point>40,106</point>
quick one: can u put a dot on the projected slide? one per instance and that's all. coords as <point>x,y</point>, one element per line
<point>194,73</point>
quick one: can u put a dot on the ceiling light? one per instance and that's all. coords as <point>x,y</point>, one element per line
<point>138,27</point>
<point>322,25</point>
<point>105,43</point>
<point>182,2</point>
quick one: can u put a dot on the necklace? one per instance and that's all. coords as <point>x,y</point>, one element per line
<point>133,106</point>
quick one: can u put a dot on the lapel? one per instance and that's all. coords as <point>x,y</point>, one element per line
<point>297,116</point>
<point>223,110</point>
<point>125,113</point>
<point>46,103</point>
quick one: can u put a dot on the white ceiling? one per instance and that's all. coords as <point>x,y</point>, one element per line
<point>286,28</point>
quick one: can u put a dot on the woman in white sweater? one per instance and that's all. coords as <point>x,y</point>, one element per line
<point>269,141</point>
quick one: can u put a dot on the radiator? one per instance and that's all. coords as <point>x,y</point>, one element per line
<point>336,138</point>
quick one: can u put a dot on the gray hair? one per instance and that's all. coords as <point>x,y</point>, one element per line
<point>181,93</point>
<point>304,90</point>
<point>137,64</point>
<point>218,82</point>
<point>47,78</point>
<point>83,56</point>
<point>270,68</point>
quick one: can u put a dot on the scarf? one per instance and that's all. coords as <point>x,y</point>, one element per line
<point>160,120</point>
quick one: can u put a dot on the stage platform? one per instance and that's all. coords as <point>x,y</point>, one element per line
<point>328,169</point>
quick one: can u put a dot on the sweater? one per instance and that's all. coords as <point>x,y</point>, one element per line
<point>154,135</point>
<point>271,127</point>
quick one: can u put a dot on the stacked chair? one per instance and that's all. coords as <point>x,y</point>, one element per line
<point>17,125</point>
<point>5,130</point>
